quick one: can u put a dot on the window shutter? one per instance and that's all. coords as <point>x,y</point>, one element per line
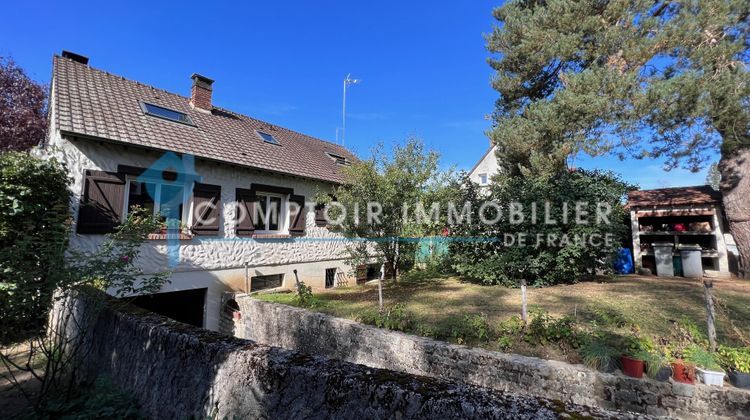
<point>320,215</point>
<point>206,209</point>
<point>102,202</point>
<point>297,216</point>
<point>245,217</point>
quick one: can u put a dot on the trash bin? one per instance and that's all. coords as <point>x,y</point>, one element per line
<point>692,266</point>
<point>663,257</point>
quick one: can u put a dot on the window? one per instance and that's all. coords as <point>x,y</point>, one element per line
<point>266,282</point>
<point>268,138</point>
<point>330,277</point>
<point>161,198</point>
<point>482,179</point>
<point>271,213</point>
<point>166,113</point>
<point>341,160</point>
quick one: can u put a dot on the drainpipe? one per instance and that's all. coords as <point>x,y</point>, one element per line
<point>247,280</point>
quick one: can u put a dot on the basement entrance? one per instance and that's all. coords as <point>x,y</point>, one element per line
<point>184,306</point>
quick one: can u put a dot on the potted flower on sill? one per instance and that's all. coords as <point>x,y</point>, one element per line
<point>709,370</point>
<point>737,362</point>
<point>639,357</point>
<point>683,371</point>
<point>632,359</point>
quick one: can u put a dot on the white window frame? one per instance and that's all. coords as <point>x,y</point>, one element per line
<point>187,191</point>
<point>283,213</point>
<point>483,179</point>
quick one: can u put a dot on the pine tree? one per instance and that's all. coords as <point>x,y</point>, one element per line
<point>631,77</point>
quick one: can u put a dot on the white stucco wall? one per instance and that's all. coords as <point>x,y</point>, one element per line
<point>215,263</point>
<point>487,165</point>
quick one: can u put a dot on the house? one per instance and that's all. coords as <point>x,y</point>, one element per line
<point>486,168</point>
<point>671,218</point>
<point>241,189</point>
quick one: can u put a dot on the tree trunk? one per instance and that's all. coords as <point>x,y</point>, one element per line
<point>708,285</point>
<point>524,313</point>
<point>735,188</point>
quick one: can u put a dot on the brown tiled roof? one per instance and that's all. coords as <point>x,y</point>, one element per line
<point>678,196</point>
<point>93,103</point>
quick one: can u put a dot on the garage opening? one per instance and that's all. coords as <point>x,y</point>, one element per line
<point>186,306</point>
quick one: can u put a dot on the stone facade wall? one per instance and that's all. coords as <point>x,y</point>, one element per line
<point>317,333</point>
<point>178,371</point>
<point>204,253</point>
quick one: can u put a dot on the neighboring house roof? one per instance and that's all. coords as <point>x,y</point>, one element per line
<point>92,103</point>
<point>678,196</point>
<point>492,147</point>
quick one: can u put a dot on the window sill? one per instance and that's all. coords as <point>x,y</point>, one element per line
<point>271,236</point>
<point>166,236</point>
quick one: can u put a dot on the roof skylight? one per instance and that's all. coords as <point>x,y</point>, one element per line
<point>341,160</point>
<point>268,138</point>
<point>166,113</point>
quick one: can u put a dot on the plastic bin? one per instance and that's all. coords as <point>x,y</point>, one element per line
<point>692,266</point>
<point>663,256</point>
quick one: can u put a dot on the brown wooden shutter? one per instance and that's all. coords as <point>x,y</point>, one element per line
<point>102,202</point>
<point>297,215</point>
<point>320,215</point>
<point>246,202</point>
<point>206,209</point>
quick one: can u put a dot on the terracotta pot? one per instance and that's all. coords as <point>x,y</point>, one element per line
<point>632,367</point>
<point>683,373</point>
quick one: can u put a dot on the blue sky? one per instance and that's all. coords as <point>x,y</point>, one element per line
<point>422,64</point>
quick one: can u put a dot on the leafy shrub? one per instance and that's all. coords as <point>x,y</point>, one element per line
<point>304,296</point>
<point>34,228</point>
<point>395,318</point>
<point>466,328</point>
<point>735,358</point>
<point>545,328</point>
<point>491,260</point>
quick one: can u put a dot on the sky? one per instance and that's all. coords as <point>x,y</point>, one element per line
<point>422,65</point>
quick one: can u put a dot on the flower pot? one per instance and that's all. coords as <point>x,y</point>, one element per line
<point>663,374</point>
<point>683,373</point>
<point>739,379</point>
<point>632,367</point>
<point>711,377</point>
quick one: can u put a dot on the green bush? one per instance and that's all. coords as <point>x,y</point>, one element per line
<point>34,229</point>
<point>304,296</point>
<point>545,328</point>
<point>395,318</point>
<point>486,257</point>
<point>735,358</point>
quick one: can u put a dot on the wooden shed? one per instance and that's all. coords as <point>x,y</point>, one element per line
<point>680,216</point>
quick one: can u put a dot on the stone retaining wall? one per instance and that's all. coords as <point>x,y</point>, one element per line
<point>317,333</point>
<point>177,371</point>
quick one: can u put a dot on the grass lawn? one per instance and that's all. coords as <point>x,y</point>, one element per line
<point>614,304</point>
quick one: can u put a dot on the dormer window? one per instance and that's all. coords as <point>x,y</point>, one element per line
<point>341,160</point>
<point>268,138</point>
<point>166,113</point>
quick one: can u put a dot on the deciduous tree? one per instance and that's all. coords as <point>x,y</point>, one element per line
<point>23,108</point>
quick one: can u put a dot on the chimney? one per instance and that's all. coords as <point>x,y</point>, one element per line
<point>200,94</point>
<point>78,58</point>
